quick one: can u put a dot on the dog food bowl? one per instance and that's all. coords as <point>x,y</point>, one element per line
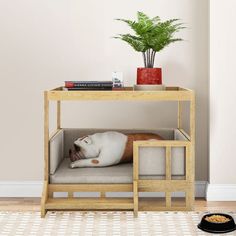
<point>217,227</point>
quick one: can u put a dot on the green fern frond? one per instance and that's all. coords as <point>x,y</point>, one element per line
<point>151,34</point>
<point>143,17</point>
<point>133,41</point>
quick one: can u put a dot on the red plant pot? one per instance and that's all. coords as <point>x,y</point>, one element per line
<point>149,76</point>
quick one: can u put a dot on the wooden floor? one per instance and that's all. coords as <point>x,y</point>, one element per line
<point>33,204</point>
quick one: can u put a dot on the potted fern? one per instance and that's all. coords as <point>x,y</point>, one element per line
<point>151,36</point>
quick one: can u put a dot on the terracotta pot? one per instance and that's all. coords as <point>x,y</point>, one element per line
<point>149,76</point>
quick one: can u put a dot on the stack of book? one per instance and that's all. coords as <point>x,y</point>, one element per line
<point>87,85</point>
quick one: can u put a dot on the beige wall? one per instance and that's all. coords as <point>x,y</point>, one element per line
<point>222,93</point>
<point>45,42</point>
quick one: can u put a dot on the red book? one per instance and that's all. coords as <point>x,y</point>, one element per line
<point>69,84</point>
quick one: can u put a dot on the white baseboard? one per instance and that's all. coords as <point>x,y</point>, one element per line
<point>34,189</point>
<point>221,192</point>
<point>21,188</point>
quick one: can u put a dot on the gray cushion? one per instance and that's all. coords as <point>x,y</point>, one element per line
<point>56,150</point>
<point>122,173</point>
<point>152,160</point>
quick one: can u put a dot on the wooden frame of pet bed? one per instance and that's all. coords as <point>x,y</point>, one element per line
<point>167,185</point>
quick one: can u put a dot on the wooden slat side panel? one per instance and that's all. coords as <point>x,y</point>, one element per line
<point>160,143</point>
<point>160,208</point>
<point>189,164</point>
<point>121,95</point>
<point>46,136</point>
<point>168,163</point>
<point>190,197</point>
<point>191,168</point>
<point>58,114</point>
<point>180,110</point>
<point>135,161</point>
<point>163,185</point>
<point>44,198</point>
<point>159,204</point>
<point>135,197</point>
<point>90,187</point>
<point>168,88</point>
<point>92,204</point>
<point>168,199</point>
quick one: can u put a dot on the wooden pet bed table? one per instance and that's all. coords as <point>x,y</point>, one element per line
<point>172,160</point>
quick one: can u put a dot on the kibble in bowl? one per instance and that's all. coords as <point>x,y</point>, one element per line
<point>217,223</point>
<point>217,219</point>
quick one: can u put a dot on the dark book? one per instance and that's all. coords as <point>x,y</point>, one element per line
<point>88,89</point>
<point>85,84</point>
<point>90,86</point>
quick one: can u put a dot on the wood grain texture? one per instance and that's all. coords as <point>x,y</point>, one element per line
<point>168,163</point>
<point>163,185</point>
<point>190,192</point>
<point>168,185</point>
<point>46,155</point>
<point>189,198</point>
<point>135,197</point>
<point>46,136</point>
<point>58,114</point>
<point>160,143</point>
<point>189,163</point>
<point>90,204</point>
<point>135,161</point>
<point>200,204</point>
<point>180,110</point>
<point>44,199</point>
<point>168,199</point>
<point>174,94</point>
<point>90,187</point>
